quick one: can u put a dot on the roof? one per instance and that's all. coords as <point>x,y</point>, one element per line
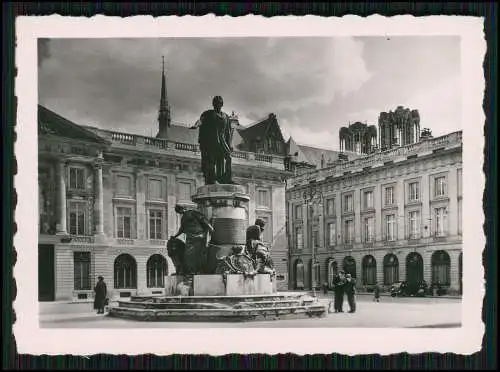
<point>259,129</point>
<point>314,155</point>
<point>50,123</point>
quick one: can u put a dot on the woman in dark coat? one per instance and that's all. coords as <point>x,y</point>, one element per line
<point>100,295</point>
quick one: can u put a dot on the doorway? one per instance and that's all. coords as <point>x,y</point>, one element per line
<point>46,273</point>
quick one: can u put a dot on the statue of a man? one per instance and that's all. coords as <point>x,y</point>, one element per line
<point>215,138</point>
<point>197,230</point>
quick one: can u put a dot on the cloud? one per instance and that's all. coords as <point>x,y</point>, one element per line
<point>314,85</point>
<point>111,80</point>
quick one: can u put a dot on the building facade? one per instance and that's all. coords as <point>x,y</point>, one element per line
<point>106,200</point>
<point>390,216</point>
<point>106,206</point>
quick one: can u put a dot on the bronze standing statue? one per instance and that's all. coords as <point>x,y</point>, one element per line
<point>215,138</point>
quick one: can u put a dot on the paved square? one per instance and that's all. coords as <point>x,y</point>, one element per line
<point>389,312</point>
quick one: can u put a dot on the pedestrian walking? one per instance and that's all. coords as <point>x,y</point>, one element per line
<point>338,290</point>
<point>350,291</point>
<point>100,298</point>
<point>376,293</point>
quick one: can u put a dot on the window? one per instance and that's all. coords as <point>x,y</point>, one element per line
<point>185,191</point>
<point>391,269</point>
<point>440,262</point>
<point>157,269</point>
<point>125,272</point>
<point>330,207</point>
<point>389,195</point>
<point>263,198</point>
<point>440,215</point>
<point>369,229</point>
<point>77,178</point>
<point>413,191</point>
<point>369,270</point>
<point>390,227</point>
<point>299,238</point>
<point>332,233</point>
<point>267,234</point>
<point>348,203</point>
<point>123,186</point>
<point>81,276</point>
<point>439,186</point>
<point>349,266</point>
<point>124,222</point>
<point>316,238</point>
<point>368,200</point>
<point>414,225</point>
<point>348,231</point>
<point>299,274</point>
<point>155,224</point>
<point>298,212</point>
<point>155,192</point>
<point>77,218</point>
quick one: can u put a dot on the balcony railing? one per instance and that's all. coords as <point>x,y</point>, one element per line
<point>449,140</point>
<point>167,145</point>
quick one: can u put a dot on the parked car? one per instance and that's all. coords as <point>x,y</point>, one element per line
<point>405,289</point>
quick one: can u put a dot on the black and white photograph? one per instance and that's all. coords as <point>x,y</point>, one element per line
<point>317,187</point>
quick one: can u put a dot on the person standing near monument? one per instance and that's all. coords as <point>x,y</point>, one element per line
<point>101,292</point>
<point>338,288</point>
<point>215,139</point>
<point>350,291</point>
<point>197,230</point>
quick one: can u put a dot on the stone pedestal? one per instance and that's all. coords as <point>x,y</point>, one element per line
<point>226,207</point>
<point>235,285</point>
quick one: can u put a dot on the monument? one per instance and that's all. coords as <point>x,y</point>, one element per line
<point>223,269</point>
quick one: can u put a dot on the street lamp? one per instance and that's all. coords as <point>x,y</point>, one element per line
<point>309,195</point>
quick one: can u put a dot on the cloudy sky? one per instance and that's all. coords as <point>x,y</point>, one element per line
<point>313,85</point>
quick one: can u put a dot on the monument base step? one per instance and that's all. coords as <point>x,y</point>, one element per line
<point>223,308</point>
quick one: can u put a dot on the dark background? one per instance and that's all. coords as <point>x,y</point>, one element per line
<point>485,359</point>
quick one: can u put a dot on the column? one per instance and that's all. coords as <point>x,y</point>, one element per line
<point>377,195</point>
<point>453,205</point>
<point>61,199</point>
<point>356,200</point>
<point>400,214</point>
<point>141,187</point>
<point>99,197</point>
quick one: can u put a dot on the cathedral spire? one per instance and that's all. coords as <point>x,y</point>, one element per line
<point>164,119</point>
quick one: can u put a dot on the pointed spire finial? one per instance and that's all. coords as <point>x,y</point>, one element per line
<point>164,119</point>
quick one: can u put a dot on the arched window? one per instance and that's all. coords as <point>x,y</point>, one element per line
<point>157,269</point>
<point>440,262</point>
<point>299,274</point>
<point>391,269</point>
<point>460,273</point>
<point>315,274</point>
<point>332,271</point>
<point>349,266</point>
<point>125,272</point>
<point>414,268</point>
<point>369,266</point>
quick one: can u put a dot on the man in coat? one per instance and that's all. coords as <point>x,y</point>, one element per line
<point>100,295</point>
<point>338,290</point>
<point>350,291</point>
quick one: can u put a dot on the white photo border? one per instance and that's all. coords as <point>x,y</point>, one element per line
<point>31,339</point>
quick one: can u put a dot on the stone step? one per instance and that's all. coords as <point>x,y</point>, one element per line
<point>218,299</point>
<point>212,305</point>
<point>225,314</point>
